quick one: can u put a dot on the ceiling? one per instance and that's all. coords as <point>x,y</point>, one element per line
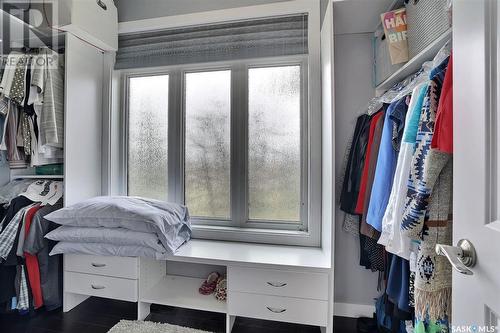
<point>130,10</point>
<point>350,16</point>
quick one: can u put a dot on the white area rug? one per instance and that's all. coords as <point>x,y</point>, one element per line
<point>131,326</point>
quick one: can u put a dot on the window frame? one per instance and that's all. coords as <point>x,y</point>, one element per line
<point>239,225</point>
<point>313,235</point>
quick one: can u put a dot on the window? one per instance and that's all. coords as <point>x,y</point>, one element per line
<point>147,136</point>
<point>240,149</point>
<point>207,144</point>
<point>274,147</point>
<point>227,121</point>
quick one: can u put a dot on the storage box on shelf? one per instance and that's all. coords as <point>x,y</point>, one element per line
<point>427,21</point>
<point>428,31</point>
<point>415,63</point>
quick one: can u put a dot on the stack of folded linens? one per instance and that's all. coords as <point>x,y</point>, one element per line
<point>121,226</point>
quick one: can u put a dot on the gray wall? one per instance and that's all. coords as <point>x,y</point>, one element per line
<point>130,10</point>
<point>353,89</point>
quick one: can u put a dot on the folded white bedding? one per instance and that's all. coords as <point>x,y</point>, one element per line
<point>103,249</point>
<point>115,236</point>
<point>169,221</point>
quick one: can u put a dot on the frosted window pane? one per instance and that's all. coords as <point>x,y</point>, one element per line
<point>274,161</point>
<point>147,137</point>
<point>207,161</point>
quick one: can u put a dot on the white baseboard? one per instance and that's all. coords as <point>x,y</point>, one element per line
<point>353,310</point>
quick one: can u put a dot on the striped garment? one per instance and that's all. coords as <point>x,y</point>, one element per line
<point>23,301</point>
<point>50,81</point>
<point>9,233</point>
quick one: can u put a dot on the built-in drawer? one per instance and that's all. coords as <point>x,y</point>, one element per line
<point>123,267</point>
<point>287,309</point>
<point>278,282</point>
<point>102,286</point>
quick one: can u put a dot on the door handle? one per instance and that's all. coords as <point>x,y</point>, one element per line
<point>277,284</point>
<point>460,257</point>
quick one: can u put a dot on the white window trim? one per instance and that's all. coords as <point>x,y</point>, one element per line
<point>253,232</point>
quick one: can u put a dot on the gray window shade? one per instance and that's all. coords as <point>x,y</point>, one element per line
<point>269,37</point>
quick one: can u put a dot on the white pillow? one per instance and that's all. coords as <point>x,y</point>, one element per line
<point>169,221</point>
<point>102,249</point>
<point>115,236</point>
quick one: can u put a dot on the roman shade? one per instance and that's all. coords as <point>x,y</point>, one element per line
<point>257,38</point>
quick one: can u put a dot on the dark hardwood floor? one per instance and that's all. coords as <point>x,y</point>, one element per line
<point>97,315</point>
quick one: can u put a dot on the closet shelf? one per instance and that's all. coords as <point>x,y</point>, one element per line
<point>37,177</point>
<point>414,64</point>
<point>181,291</point>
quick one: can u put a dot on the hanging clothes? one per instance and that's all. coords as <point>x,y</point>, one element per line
<point>404,196</point>
<point>366,229</point>
<point>371,254</point>
<point>386,162</point>
<point>15,154</point>
<point>52,115</point>
<point>8,74</point>
<point>32,265</point>
<point>391,237</point>
<point>9,235</point>
<point>427,216</point>
<point>32,89</point>
<point>418,191</point>
<point>442,139</point>
<point>30,278</point>
<point>3,155</point>
<point>352,178</point>
<point>50,267</point>
<point>398,288</point>
<point>19,80</point>
<point>364,176</point>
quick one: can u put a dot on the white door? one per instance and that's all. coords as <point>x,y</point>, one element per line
<point>476,213</point>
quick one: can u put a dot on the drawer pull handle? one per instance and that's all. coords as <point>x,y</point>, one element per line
<point>275,310</point>
<point>98,265</point>
<point>97,287</point>
<point>277,284</point>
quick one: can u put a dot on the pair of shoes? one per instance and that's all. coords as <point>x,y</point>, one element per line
<point>221,290</point>
<point>210,284</point>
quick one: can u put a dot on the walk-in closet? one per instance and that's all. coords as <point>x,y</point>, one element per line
<point>270,166</point>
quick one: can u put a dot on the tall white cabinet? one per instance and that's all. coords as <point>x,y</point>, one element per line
<point>83,120</point>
